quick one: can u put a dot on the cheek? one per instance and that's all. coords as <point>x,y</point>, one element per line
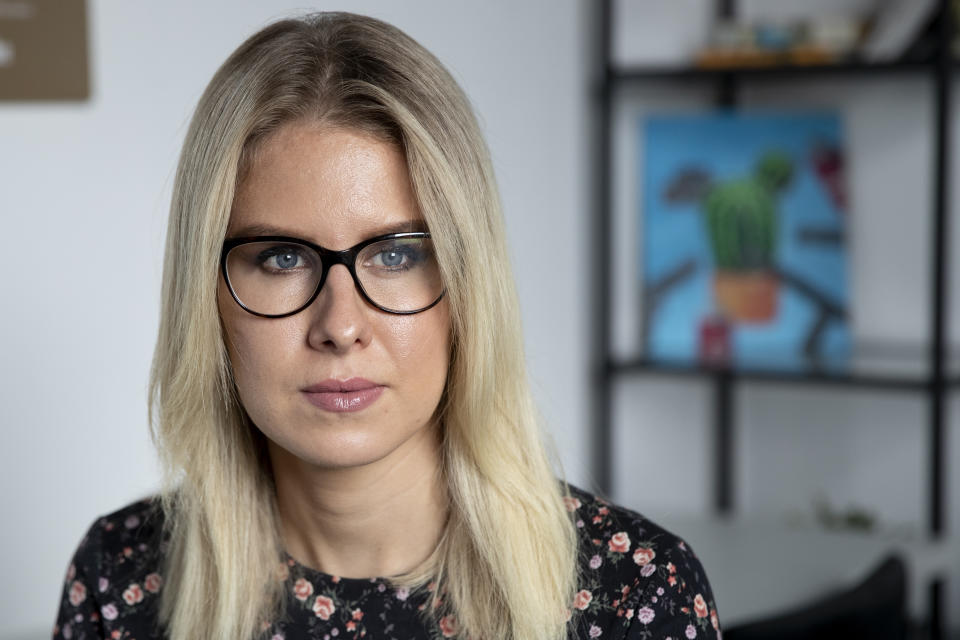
<point>422,345</point>
<point>253,346</point>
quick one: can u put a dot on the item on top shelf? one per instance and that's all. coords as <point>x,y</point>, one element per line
<point>806,42</point>
<point>744,217</point>
<point>839,35</point>
<point>896,26</point>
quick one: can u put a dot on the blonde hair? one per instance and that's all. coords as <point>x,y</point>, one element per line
<point>507,559</point>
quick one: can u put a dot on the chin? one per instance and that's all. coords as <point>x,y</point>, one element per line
<point>344,459</point>
<point>332,453</point>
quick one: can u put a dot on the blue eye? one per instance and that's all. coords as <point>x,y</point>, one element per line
<point>397,256</point>
<point>391,257</point>
<point>281,258</point>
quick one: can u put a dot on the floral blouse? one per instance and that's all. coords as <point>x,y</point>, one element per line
<point>638,581</point>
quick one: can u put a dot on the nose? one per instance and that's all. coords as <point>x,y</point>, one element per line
<point>340,315</point>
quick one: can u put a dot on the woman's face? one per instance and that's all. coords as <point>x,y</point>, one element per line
<point>335,187</point>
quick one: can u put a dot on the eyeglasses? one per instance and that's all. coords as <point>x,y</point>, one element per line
<point>278,276</point>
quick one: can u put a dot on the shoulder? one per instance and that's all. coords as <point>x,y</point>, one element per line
<point>637,576</point>
<point>120,542</point>
<point>114,575</point>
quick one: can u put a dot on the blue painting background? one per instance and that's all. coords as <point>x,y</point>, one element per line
<point>727,145</point>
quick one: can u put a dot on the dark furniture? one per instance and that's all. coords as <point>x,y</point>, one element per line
<point>933,383</point>
<point>874,609</point>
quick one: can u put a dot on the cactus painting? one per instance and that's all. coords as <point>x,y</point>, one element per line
<point>749,212</point>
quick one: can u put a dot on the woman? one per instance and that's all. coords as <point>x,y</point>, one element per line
<point>338,392</point>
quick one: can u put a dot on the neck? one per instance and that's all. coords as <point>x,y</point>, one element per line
<point>376,520</point>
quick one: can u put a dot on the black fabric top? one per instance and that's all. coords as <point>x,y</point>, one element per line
<point>638,581</point>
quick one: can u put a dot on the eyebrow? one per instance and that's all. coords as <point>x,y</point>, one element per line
<point>258,229</point>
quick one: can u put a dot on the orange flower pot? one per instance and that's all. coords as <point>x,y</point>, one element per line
<point>747,297</point>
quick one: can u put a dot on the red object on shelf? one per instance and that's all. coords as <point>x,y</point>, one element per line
<point>828,165</point>
<point>715,347</point>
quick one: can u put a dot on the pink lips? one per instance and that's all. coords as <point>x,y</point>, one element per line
<point>340,396</point>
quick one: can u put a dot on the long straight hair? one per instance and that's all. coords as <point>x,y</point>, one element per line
<point>507,558</point>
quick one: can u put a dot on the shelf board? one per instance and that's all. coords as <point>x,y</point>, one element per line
<point>896,379</point>
<point>632,73</point>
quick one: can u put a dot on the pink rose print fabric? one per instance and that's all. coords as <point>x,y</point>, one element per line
<point>637,582</point>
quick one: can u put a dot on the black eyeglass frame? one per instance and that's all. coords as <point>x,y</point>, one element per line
<point>328,258</point>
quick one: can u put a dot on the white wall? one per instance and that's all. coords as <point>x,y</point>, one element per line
<point>83,207</point>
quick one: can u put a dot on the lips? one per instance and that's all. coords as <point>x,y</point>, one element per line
<point>341,386</point>
<point>341,396</point>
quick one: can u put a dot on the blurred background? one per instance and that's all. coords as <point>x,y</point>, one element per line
<point>799,430</point>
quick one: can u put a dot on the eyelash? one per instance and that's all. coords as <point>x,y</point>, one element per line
<point>410,256</point>
<point>273,252</point>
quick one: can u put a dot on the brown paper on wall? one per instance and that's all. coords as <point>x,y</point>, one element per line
<point>43,50</point>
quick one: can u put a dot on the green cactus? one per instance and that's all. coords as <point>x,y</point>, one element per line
<point>774,170</point>
<point>742,215</point>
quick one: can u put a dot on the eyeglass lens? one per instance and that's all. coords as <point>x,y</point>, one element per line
<point>277,278</point>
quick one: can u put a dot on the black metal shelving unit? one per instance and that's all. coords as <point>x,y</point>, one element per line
<point>934,382</point>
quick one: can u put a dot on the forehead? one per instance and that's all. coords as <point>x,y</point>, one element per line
<point>333,186</point>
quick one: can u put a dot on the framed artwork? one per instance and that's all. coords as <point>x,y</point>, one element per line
<point>744,219</point>
<point>44,50</point>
